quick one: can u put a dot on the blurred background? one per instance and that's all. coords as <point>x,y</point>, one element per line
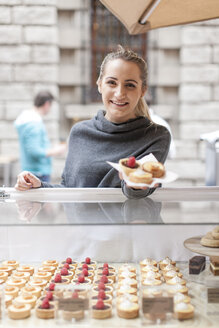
<point>58,45</point>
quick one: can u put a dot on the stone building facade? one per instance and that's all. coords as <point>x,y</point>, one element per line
<point>45,44</point>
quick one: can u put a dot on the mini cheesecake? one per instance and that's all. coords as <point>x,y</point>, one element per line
<point>127,309</point>
<point>183,311</point>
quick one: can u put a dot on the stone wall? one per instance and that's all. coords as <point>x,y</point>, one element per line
<point>46,44</point>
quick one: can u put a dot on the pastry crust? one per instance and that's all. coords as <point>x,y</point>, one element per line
<point>26,268</point>
<point>11,290</point>
<point>104,313</point>
<point>209,241</point>
<point>43,275</point>
<point>127,170</point>
<point>8,300</point>
<point>69,315</point>
<point>148,261</point>
<point>38,283</point>
<point>50,263</point>
<point>26,299</point>
<point>3,275</point>
<point>11,263</point>
<point>21,275</point>
<point>45,313</point>
<point>6,268</point>
<point>19,311</point>
<point>184,314</point>
<point>34,290</point>
<point>128,310</point>
<point>48,268</point>
<point>155,168</point>
<point>16,282</point>
<point>139,176</point>
<point>215,232</point>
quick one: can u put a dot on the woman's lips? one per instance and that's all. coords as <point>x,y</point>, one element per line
<point>120,104</point>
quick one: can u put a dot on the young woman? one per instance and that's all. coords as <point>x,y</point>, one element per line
<point>121,130</point>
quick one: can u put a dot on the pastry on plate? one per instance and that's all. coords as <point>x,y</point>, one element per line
<point>155,168</point>
<point>140,176</point>
<point>209,241</point>
<point>128,165</point>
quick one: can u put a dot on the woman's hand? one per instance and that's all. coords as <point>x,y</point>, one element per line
<point>27,180</point>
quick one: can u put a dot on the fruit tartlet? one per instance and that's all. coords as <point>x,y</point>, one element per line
<point>19,311</point>
<point>45,310</point>
<point>26,268</point>
<point>101,310</point>
<point>129,165</point>
<point>69,267</point>
<point>50,296</point>
<point>106,265</point>
<point>105,272</point>
<point>105,280</point>
<point>58,279</point>
<point>65,273</point>
<point>86,273</point>
<point>81,279</point>
<point>70,262</point>
<point>89,262</point>
<point>74,314</point>
<point>107,298</point>
<point>102,286</point>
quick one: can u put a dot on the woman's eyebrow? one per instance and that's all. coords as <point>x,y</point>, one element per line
<point>114,78</point>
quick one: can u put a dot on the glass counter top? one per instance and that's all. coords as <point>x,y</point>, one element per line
<point>61,207</point>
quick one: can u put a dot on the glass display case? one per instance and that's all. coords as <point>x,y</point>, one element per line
<point>102,224</point>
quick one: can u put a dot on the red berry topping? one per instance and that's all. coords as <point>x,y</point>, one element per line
<point>68,260</point>
<point>64,272</point>
<point>74,294</point>
<point>85,266</point>
<point>85,272</point>
<point>104,279</point>
<point>101,294</point>
<point>100,304</point>
<point>105,271</point>
<point>49,295</point>
<point>131,162</point>
<point>87,260</point>
<point>81,278</point>
<point>45,304</point>
<point>66,265</point>
<point>58,277</point>
<point>105,265</point>
<point>51,286</point>
<point>101,285</point>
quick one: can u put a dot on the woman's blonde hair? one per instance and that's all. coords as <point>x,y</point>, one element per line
<point>129,55</point>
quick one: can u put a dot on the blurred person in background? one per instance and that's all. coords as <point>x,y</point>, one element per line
<point>35,148</point>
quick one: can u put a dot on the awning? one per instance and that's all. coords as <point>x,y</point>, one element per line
<point>139,16</point>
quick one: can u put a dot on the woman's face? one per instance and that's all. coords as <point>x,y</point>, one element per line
<point>121,89</point>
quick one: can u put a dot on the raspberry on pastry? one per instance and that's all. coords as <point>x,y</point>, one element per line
<point>128,165</point>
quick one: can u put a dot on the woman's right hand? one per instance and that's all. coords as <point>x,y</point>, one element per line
<point>27,180</point>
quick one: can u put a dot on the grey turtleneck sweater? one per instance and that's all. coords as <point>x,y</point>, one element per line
<point>95,141</point>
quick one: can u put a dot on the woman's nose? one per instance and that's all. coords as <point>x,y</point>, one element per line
<point>120,92</point>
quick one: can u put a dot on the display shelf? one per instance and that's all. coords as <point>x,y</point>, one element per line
<point>205,316</point>
<point>193,244</point>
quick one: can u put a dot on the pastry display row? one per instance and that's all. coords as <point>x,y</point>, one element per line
<point>87,290</point>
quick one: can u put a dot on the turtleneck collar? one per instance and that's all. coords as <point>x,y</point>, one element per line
<point>102,124</point>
